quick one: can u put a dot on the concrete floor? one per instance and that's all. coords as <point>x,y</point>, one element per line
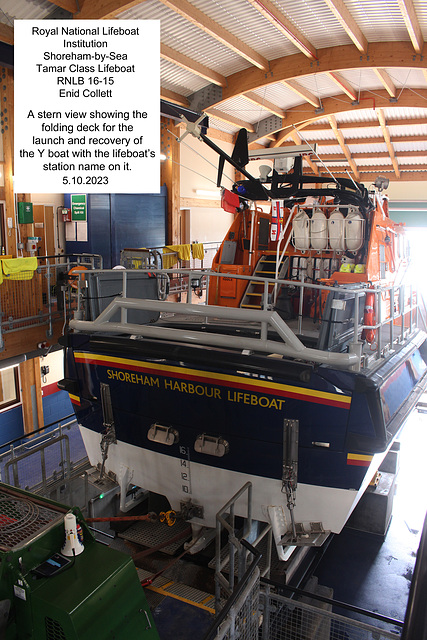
<point>375,573</point>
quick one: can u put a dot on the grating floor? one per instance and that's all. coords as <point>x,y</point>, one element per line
<point>151,534</point>
<point>167,587</point>
<point>21,519</point>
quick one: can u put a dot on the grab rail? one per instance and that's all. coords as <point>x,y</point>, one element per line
<point>400,318</point>
<point>291,345</point>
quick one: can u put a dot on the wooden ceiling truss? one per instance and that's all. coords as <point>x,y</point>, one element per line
<point>295,73</point>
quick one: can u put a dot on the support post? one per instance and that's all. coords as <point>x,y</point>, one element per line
<point>31,394</point>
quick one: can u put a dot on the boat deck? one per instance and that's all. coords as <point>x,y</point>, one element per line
<point>387,341</point>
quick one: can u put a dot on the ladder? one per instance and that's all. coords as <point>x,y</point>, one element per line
<point>266,268</point>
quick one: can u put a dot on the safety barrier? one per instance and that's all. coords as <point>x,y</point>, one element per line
<point>250,606</point>
<point>46,461</point>
<point>41,297</point>
<point>338,341</point>
<point>287,619</point>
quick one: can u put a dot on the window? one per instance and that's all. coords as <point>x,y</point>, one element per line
<point>9,387</point>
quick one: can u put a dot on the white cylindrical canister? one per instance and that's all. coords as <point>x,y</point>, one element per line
<point>354,227</point>
<point>336,231</point>
<point>318,230</point>
<point>301,231</point>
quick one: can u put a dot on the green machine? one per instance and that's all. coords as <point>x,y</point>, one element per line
<point>45,595</point>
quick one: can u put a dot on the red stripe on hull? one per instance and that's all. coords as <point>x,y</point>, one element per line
<point>359,463</point>
<point>223,383</point>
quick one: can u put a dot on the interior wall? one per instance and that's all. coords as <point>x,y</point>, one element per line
<point>55,200</point>
<point>207,224</point>
<point>56,403</point>
<point>401,190</point>
<point>200,171</point>
<point>55,362</point>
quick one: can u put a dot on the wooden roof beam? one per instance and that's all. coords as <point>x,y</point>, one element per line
<point>101,9</point>
<point>341,12</point>
<point>343,84</point>
<point>68,5</point>
<point>382,168</point>
<point>169,54</point>
<point>392,122</point>
<point>271,12</point>
<point>372,140</point>
<point>338,59</point>
<point>265,104</point>
<point>303,93</point>
<point>336,104</point>
<point>412,24</point>
<point>176,98</point>
<point>6,33</point>
<point>298,140</point>
<point>330,157</point>
<point>386,81</point>
<point>225,117</point>
<point>206,24</point>
<point>339,136</point>
<point>386,135</point>
<point>407,176</point>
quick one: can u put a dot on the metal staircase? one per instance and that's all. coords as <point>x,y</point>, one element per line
<point>266,268</point>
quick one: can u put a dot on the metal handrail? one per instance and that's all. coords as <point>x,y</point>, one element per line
<point>247,574</point>
<point>36,431</point>
<point>295,591</point>
<point>16,459</point>
<point>291,345</point>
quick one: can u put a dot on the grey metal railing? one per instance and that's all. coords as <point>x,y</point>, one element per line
<point>250,606</point>
<point>290,618</point>
<point>41,297</point>
<point>46,460</point>
<point>400,319</point>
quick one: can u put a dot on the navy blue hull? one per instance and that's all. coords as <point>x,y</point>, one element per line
<point>344,418</point>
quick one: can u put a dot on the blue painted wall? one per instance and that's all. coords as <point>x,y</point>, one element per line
<point>122,221</point>
<point>56,406</point>
<point>11,424</point>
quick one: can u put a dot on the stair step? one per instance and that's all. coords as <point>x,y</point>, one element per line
<point>270,284</point>
<point>251,306</point>
<point>168,588</point>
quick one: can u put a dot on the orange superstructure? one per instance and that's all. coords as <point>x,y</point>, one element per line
<point>328,244</point>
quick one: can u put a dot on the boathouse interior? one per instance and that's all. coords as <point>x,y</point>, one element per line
<point>346,79</point>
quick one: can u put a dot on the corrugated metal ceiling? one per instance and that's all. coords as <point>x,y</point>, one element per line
<point>11,10</point>
<point>380,22</point>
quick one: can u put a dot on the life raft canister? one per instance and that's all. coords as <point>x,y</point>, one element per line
<point>74,275</point>
<point>301,231</point>
<point>369,317</point>
<point>318,230</point>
